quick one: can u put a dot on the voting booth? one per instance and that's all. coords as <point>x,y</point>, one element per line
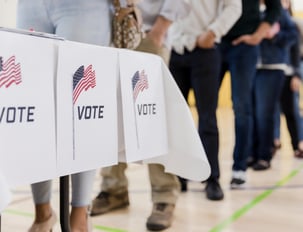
<point>67,107</point>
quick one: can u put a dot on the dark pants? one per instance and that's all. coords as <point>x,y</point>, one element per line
<point>200,71</point>
<point>241,61</point>
<point>267,91</point>
<point>289,105</point>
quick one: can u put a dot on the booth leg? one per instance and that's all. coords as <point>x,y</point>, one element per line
<point>64,204</point>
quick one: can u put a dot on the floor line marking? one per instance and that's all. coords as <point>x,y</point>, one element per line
<point>239,213</point>
<point>218,228</point>
<point>108,229</point>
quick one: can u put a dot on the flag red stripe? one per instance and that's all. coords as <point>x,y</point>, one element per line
<point>11,73</point>
<point>88,81</point>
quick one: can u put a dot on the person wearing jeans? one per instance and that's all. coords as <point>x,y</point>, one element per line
<point>269,81</point>
<point>239,49</point>
<point>82,21</point>
<point>290,98</point>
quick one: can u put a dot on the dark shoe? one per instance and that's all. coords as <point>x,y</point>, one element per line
<point>250,161</point>
<point>238,180</point>
<point>298,154</point>
<point>183,183</point>
<point>106,202</point>
<point>213,190</point>
<point>161,217</point>
<point>261,165</point>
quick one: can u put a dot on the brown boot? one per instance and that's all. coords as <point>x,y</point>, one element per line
<point>161,217</point>
<point>106,202</point>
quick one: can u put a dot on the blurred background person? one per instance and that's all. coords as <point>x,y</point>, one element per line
<point>83,21</point>
<point>195,63</point>
<point>268,84</point>
<point>290,97</point>
<point>157,18</point>
<point>239,49</point>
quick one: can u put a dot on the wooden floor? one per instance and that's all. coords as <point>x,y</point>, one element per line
<point>272,201</point>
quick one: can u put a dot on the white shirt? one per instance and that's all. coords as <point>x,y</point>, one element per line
<point>169,9</point>
<point>215,15</point>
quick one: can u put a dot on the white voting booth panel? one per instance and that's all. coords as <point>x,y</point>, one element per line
<point>27,113</point>
<point>143,105</point>
<point>68,107</point>
<point>86,107</point>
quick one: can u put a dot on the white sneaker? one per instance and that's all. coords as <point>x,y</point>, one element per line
<point>238,180</point>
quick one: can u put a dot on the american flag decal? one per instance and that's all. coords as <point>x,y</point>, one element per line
<point>83,79</point>
<point>10,72</point>
<point>139,82</point>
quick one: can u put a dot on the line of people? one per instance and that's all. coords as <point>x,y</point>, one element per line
<point>200,40</point>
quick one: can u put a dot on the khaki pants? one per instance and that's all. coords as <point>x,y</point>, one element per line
<point>165,186</point>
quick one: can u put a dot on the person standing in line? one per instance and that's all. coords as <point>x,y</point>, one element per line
<point>195,63</point>
<point>290,98</point>
<point>239,49</point>
<point>268,84</point>
<point>157,17</point>
<point>82,21</point>
<point>299,23</point>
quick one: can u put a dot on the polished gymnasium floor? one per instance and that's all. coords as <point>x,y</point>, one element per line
<point>272,201</point>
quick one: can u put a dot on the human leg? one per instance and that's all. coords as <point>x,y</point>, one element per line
<point>165,186</point>
<point>180,69</point>
<point>114,190</point>
<point>165,190</point>
<point>276,144</point>
<point>290,109</point>
<point>33,15</point>
<point>299,122</point>
<point>45,218</point>
<point>82,184</point>
<point>267,90</point>
<point>205,71</point>
<point>76,20</point>
<point>241,61</point>
<point>82,21</point>
<point>290,105</point>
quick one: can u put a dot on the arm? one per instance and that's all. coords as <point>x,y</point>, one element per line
<point>273,10</point>
<point>288,34</point>
<point>170,11</point>
<point>159,30</point>
<point>256,37</point>
<point>231,12</point>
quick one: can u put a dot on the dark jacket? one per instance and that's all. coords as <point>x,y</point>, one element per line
<point>276,50</point>
<point>250,18</point>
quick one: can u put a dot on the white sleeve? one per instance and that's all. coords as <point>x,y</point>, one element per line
<point>231,12</point>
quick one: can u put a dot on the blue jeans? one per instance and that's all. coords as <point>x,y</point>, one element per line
<point>289,105</point>
<point>86,21</point>
<point>241,61</point>
<point>77,20</point>
<point>267,90</point>
<point>200,70</point>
